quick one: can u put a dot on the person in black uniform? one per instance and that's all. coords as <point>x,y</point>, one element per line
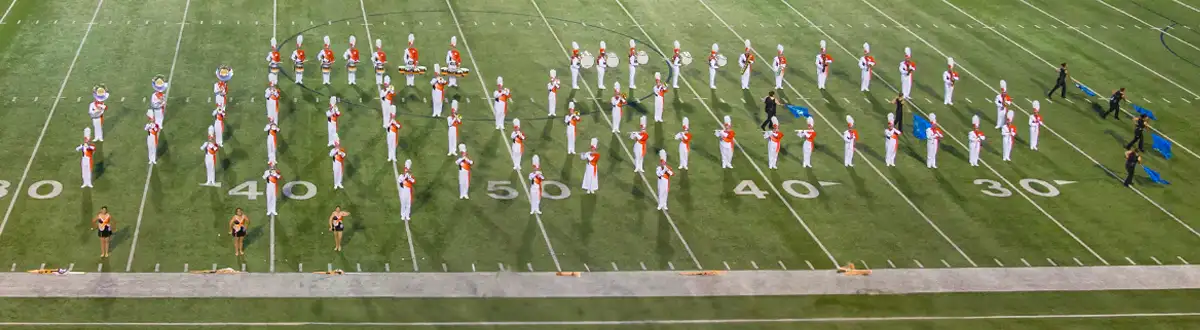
<point>769,106</point>
<point>237,228</point>
<point>899,102</point>
<point>1139,126</point>
<point>1061,82</point>
<point>337,225</point>
<point>1114,104</point>
<point>1132,159</point>
<point>104,229</point>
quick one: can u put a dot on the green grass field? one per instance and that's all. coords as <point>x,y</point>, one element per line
<point>1059,206</point>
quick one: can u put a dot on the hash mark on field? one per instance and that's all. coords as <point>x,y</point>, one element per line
<point>357,267</point>
<point>1078,262</point>
<point>1020,26</point>
<point>71,267</point>
<point>1165,99</point>
<point>1186,100</point>
<point>1122,27</point>
<point>589,269</point>
<point>501,266</point>
<point>99,268</point>
<point>35,99</point>
<point>890,264</point>
<point>643,265</point>
<point>615,266</point>
<point>1155,260</point>
<point>670,265</point>
<point>1185,262</point>
<point>918,263</point>
<point>1026,263</point>
<point>529,265</point>
<point>944,263</point>
<point>969,101</point>
<point>185,268</point>
<point>214,267</point>
<point>864,263</point>
<point>998,262</point>
<point>781,265</point>
<point>14,267</point>
<point>753,264</point>
<point>472,267</point>
<point>726,265</point>
<point>444,268</point>
<point>810,265</point>
<point>1130,261</point>
<point>43,266</point>
<point>156,266</point>
<point>1052,263</point>
<point>243,268</point>
<point>387,267</point>
<point>299,267</point>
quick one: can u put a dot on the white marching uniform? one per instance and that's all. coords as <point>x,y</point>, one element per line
<point>158,104</point>
<point>849,136</point>
<point>517,148</point>
<point>326,58</point>
<point>576,63</point>
<point>1008,137</point>
<point>660,97</point>
<point>438,91</point>
<point>808,135</point>
<point>152,130</point>
<point>220,91</point>
<point>664,173</point>
<point>352,58</point>
<point>685,145</point>
<point>387,98</point>
<point>272,141</point>
<point>219,125</point>
<point>1002,102</point>
<point>601,67</point>
<point>1035,125</point>
<point>823,63</point>
<point>639,149</point>
<point>676,64</point>
<point>379,60</point>
<point>298,59</point>
<point>618,103</point>
<point>535,188</point>
<point>96,111</point>
<point>949,78</point>
<point>866,63</point>
<point>906,74</point>
<point>272,97</point>
<point>572,121</point>
<point>210,149</point>
<point>633,64</point>
<point>774,142</point>
<point>393,139</point>
<point>745,64</point>
<point>464,172</point>
<point>975,139</point>
<point>552,90</point>
<point>85,162</point>
<point>500,98</point>
<point>339,158</point>
<point>591,173</point>
<point>406,181</point>
<point>891,143</point>
<point>712,68</point>
<point>452,124</point>
<point>452,62</point>
<point>933,139</point>
<point>331,123</point>
<point>725,138</point>
<point>272,176</point>
<point>411,62</point>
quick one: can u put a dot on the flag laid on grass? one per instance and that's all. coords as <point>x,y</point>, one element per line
<point>1162,145</point>
<point>1085,90</point>
<point>797,111</point>
<point>1154,176</point>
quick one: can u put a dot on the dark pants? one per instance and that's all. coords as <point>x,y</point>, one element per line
<point>1057,85</point>
<point>1137,137</point>
<point>900,121</point>
<point>766,124</point>
<point>1115,109</point>
<point>1129,177</point>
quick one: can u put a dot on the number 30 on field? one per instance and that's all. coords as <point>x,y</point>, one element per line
<point>250,190</point>
<point>1033,186</point>
<point>747,187</point>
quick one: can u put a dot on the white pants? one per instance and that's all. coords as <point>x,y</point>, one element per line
<point>658,108</point>
<point>210,170</point>
<point>890,145</point>
<point>158,118</point>
<point>1033,137</point>
<point>639,157</point>
<point>151,149</point>
<point>553,102</point>
<point>437,101</point>
<point>98,128</point>
<point>516,150</point>
<point>535,199</point>
<point>973,153</point>
<point>499,111</point>
<point>866,81</point>
<point>949,95</point>
<point>464,183</point>
<point>331,129</point>
<point>391,146</point>
<point>273,78</point>
<point>337,174</point>
<point>452,140</point>
<point>848,155</point>
<point>931,149</point>
<point>616,119</point>
<point>299,77</point>
<point>410,80</point>
<point>574,78</point>
<point>452,80</point>
<point>683,156</point>
<point>664,186</point>
<point>906,85</point>
<point>219,132</point>
<point>85,166</point>
<point>712,78</point>
<point>325,77</point>
<point>406,197</point>
<point>675,76</point>
<point>772,154</point>
<point>387,111</point>
<point>591,181</point>
<point>570,139</point>
<point>632,73</point>
<point>272,110</point>
<point>726,154</point>
<point>351,77</point>
<point>600,75</point>
<point>1001,116</point>
<point>808,148</point>
<point>378,78</point>
<point>1007,146</point>
<point>271,148</point>
<point>220,100</point>
<point>272,191</point>
<point>746,79</point>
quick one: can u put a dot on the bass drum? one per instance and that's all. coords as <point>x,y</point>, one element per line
<point>642,57</point>
<point>685,57</point>
<point>587,60</point>
<point>722,60</point>
<point>612,59</point>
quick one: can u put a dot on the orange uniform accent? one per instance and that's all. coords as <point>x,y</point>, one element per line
<point>661,91</point>
<point>520,140</point>
<point>212,150</point>
<point>978,132</point>
<point>394,128</point>
<point>728,136</point>
<point>826,58</point>
<point>89,150</point>
<point>1037,118</point>
<point>300,55</point>
<point>340,156</point>
<point>895,136</point>
<point>412,53</point>
<point>105,221</point>
<point>504,97</point>
<point>936,131</point>
<point>390,96</point>
<point>455,56</point>
<point>667,175</point>
<point>595,161</point>
<point>465,165</point>
<point>1012,129</point>
<point>274,135</point>
<point>870,59</point>
<point>575,123</point>
<point>687,140</point>
<point>154,132</point>
<point>440,85</point>
<point>334,118</point>
<point>273,178</point>
<point>354,54</point>
<point>953,76</point>
<point>381,56</point>
<point>854,134</point>
<point>275,57</point>
<point>777,137</point>
<point>641,140</point>
<point>328,54</point>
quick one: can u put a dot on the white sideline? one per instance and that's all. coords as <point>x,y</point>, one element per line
<point>782,198</point>
<point>6,11</point>
<point>274,14</point>
<point>1051,130</point>
<point>1149,25</point>
<point>1186,5</point>
<point>412,252</point>
<point>483,84</point>
<point>137,229</point>
<point>600,106</point>
<point>25,174</point>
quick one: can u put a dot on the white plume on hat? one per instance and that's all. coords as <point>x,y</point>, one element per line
<point>387,80</point>
<point>326,39</point>
<point>716,48</point>
<point>462,147</point>
<point>866,47</point>
<point>378,43</point>
<point>728,121</point>
<point>810,121</point>
<point>950,61</point>
<point>571,105</point>
<point>211,131</point>
<point>500,81</point>
<point>616,86</point>
<point>537,162</point>
<point>332,100</point>
<point>603,45</point>
<point>453,41</point>
<point>747,43</point>
<point>850,120</point>
<point>891,118</point>
<point>1003,85</point>
<point>657,76</point>
<point>1036,105</point>
<point>436,68</point>
<point>933,118</point>
<point>149,114</point>
<point>87,132</point>
<point>642,122</point>
<point>975,121</point>
<point>685,123</point>
<point>274,43</point>
<point>595,142</point>
<point>411,38</point>
<point>516,122</point>
<point>453,104</point>
<point>1009,115</point>
<point>407,164</point>
<point>676,44</point>
<point>822,45</point>
<point>662,154</point>
<point>353,40</point>
<point>775,121</point>
<point>574,45</point>
<point>907,52</point>
<point>779,47</point>
<point>553,73</point>
<point>632,43</point>
<point>299,40</point>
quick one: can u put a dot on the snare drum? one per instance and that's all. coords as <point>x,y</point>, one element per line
<point>299,67</point>
<point>642,57</point>
<point>685,57</point>
<point>326,67</point>
<point>352,66</point>
<point>612,59</point>
<point>587,60</point>
<point>380,69</point>
<point>274,67</point>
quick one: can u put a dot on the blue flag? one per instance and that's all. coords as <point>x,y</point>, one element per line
<point>1085,90</point>
<point>1144,111</point>
<point>1154,176</point>
<point>1162,145</point>
<point>797,111</point>
<point>919,126</point>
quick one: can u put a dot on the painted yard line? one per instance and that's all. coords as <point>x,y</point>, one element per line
<point>275,18</point>
<point>588,87</point>
<point>1151,26</point>
<point>1060,137</point>
<point>37,145</point>
<point>859,153</point>
<point>985,164</point>
<point>746,154</point>
<point>1186,5</point>
<point>272,260</point>
<point>137,229</point>
<point>1113,50</point>
<point>412,252</point>
<point>6,11</point>
<point>484,85</point>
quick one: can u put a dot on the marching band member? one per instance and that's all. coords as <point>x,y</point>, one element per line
<point>866,63</point>
<point>452,124</point>
<point>518,144</point>
<point>601,65</point>
<point>86,150</point>
<point>221,87</point>
<point>158,100</point>
<point>406,181</point>
<point>850,136</point>
<point>339,159</point>
<point>453,60</point>
<point>726,138</point>
<point>809,135</point>
<point>975,139</point>
<point>618,103</point>
<point>591,173</point>
<point>96,111</point>
<point>572,121</point>
<point>438,91</point>
<point>331,118</point>
<point>1003,100</point>
<point>664,173</point>
<point>933,140</point>
<point>1008,135</point>
<point>824,61</point>
<point>633,63</point>
<point>273,60</point>
<point>779,66</point>
<point>464,172</point>
<point>272,97</point>
<point>660,96</point>
<point>411,59</point>
<point>774,141</point>
<point>891,140</point>
<point>745,61</point>
<point>379,59</point>
<point>387,98</point>
<point>906,71</point>
<point>326,58</point>
<point>219,123</point>
<point>298,59</point>
<point>576,63</point>
<point>210,149</point>
<point>535,187</point>
<point>712,67</point>
<point>639,146</point>
<point>676,63</point>
<point>393,138</point>
<point>272,176</point>
<point>950,77</point>
<point>500,97</point>
<point>272,130</point>
<point>1035,125</point>
<point>685,144</point>
<point>152,130</point>
<point>552,87</point>
<point>351,57</point>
